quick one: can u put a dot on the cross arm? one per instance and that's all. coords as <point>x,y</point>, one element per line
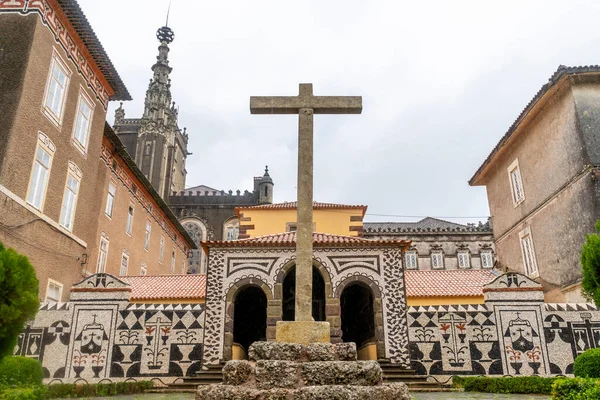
<point>293,104</point>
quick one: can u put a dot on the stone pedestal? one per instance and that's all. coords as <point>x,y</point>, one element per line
<point>292,371</point>
<point>302,332</point>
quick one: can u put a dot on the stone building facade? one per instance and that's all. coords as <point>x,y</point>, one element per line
<point>438,244</point>
<point>542,182</point>
<point>155,141</point>
<point>56,81</point>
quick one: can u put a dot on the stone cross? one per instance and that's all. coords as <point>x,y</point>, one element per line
<point>305,105</point>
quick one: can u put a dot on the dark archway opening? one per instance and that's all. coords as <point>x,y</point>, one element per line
<point>289,295</point>
<point>250,316</point>
<point>358,319</point>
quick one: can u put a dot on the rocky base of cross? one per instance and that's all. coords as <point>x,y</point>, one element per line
<point>291,371</point>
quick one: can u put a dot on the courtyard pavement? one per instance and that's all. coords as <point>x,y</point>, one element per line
<point>416,396</point>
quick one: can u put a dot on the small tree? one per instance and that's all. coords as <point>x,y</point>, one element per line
<point>590,261</point>
<point>18,297</point>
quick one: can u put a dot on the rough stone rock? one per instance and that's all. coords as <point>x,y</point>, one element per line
<point>277,374</point>
<point>278,394</point>
<point>303,332</point>
<point>346,351</point>
<point>331,352</point>
<point>384,392</point>
<point>226,392</point>
<point>237,372</point>
<point>355,373</point>
<point>276,351</point>
<point>398,391</point>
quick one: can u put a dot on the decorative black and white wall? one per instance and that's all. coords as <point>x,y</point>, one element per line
<point>100,337</point>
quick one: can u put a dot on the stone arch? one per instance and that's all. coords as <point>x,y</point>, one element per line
<point>197,260</point>
<point>376,293</point>
<point>230,298</point>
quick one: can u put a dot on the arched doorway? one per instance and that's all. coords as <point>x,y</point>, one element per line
<point>249,316</point>
<point>358,317</point>
<point>289,295</point>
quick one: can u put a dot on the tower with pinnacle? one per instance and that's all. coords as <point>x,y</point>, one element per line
<point>155,141</point>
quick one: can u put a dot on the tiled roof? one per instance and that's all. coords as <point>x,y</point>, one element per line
<point>455,283</point>
<point>447,283</point>
<point>288,239</point>
<point>561,72</point>
<point>164,287</point>
<point>83,28</point>
<point>292,205</point>
<point>425,225</point>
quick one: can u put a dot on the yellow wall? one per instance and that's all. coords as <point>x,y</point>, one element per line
<point>443,300</point>
<point>269,222</point>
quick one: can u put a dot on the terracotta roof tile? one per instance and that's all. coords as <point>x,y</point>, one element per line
<point>292,205</point>
<point>447,283</point>
<point>289,239</point>
<point>164,287</point>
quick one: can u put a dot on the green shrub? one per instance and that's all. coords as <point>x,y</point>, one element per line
<point>20,371</point>
<point>18,297</point>
<point>575,389</point>
<point>60,390</point>
<point>24,393</point>
<point>587,364</point>
<point>519,384</point>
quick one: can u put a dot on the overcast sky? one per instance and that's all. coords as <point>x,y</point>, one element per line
<point>441,82</point>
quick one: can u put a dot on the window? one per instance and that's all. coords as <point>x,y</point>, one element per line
<point>232,232</point>
<point>102,255</point>
<point>529,260</point>
<point>40,173</point>
<point>54,291</point>
<point>83,119</point>
<point>161,249</point>
<point>56,90</point>
<point>437,259</point>
<point>147,237</point>
<point>69,204</point>
<point>463,259</point>
<point>516,184</point>
<point>143,270</point>
<point>291,227</point>
<point>110,199</point>
<point>124,264</point>
<point>183,267</point>
<point>173,261</point>
<point>410,259</point>
<point>129,224</point>
<point>148,149</point>
<point>486,259</point>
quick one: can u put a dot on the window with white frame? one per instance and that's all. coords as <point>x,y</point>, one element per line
<point>183,267</point>
<point>129,223</point>
<point>54,291</point>
<point>124,264</point>
<point>161,249</point>
<point>83,121</point>
<point>410,259</point>
<point>102,254</point>
<point>147,237</point>
<point>56,90</point>
<point>437,259</point>
<point>69,204</point>
<point>516,183</point>
<point>487,260</point>
<point>464,260</point>
<point>529,260</point>
<point>40,173</point>
<point>173,261</point>
<point>110,199</point>
<point>231,229</point>
<point>143,269</point>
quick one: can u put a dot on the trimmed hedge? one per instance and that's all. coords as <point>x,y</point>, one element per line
<point>518,384</point>
<point>587,364</point>
<point>24,393</point>
<point>576,389</point>
<point>60,390</point>
<point>20,372</point>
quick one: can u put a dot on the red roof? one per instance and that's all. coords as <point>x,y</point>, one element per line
<point>454,283</point>
<point>468,283</point>
<point>163,287</point>
<point>288,239</point>
<point>292,205</point>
